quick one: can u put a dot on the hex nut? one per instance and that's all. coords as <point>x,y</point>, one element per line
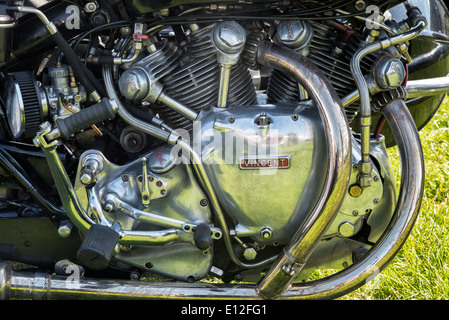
<point>355,190</point>
<point>229,36</point>
<point>250,254</point>
<point>346,229</point>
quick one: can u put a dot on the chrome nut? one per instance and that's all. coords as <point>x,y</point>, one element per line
<point>87,177</point>
<point>229,37</point>
<point>346,229</point>
<point>266,233</point>
<point>294,34</point>
<point>390,73</point>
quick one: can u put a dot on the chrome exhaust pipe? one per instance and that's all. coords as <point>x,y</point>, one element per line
<point>279,277</point>
<point>427,87</point>
<point>415,89</point>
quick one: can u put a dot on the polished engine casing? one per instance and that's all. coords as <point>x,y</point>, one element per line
<point>277,200</point>
<point>174,193</point>
<point>267,165</point>
<point>245,151</point>
<point>269,202</point>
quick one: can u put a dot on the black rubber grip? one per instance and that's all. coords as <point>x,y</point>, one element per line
<point>202,237</point>
<point>109,60</point>
<point>76,122</point>
<point>97,247</point>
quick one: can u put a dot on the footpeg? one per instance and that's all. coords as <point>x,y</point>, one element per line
<point>202,236</point>
<point>97,248</point>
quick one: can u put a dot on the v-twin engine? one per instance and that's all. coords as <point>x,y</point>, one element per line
<point>192,142</point>
<point>265,163</point>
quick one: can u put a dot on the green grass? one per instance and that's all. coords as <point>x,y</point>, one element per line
<point>420,271</point>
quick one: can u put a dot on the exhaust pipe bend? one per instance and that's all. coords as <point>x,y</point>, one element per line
<point>409,202</point>
<point>295,255</point>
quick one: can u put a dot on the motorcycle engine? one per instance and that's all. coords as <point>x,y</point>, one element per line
<point>264,150</point>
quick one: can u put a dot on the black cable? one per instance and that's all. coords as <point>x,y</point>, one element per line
<point>78,67</point>
<point>111,25</point>
<point>210,19</point>
<point>326,8</point>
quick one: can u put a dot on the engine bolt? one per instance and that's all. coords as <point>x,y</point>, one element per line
<point>134,275</point>
<point>250,254</point>
<point>87,178</point>
<point>108,206</point>
<point>266,233</point>
<point>355,190</point>
<point>346,229</point>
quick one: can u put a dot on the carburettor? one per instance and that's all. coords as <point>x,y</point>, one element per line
<point>64,95</point>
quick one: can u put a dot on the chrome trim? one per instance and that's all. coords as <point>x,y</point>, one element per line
<point>415,89</point>
<point>427,87</point>
<point>48,24</point>
<point>295,255</point>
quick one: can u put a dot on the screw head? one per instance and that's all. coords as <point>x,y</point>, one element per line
<point>266,233</point>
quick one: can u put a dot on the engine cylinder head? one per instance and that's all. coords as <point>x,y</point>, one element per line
<point>322,52</point>
<point>194,83</point>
